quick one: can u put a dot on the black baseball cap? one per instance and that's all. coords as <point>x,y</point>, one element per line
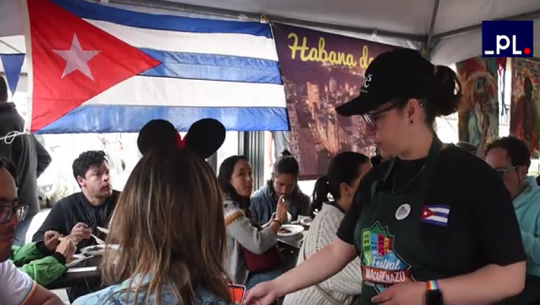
<point>397,74</point>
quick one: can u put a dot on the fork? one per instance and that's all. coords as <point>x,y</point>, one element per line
<point>98,240</point>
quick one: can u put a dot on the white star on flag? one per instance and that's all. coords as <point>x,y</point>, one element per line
<point>77,59</point>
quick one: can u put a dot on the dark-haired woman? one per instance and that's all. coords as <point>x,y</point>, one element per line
<point>246,242</point>
<point>283,184</point>
<point>343,177</point>
<point>434,225</point>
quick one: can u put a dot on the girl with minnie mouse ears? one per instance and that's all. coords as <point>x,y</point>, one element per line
<point>204,137</point>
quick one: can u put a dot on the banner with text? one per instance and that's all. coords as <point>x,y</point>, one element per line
<point>321,71</point>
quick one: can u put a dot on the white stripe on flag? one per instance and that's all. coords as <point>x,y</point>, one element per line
<point>440,210</point>
<point>163,91</point>
<point>215,43</point>
<point>437,218</point>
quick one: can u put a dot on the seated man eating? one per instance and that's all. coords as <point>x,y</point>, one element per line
<point>79,214</point>
<point>16,287</point>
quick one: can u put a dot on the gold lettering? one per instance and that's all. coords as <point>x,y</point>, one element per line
<point>318,54</point>
<point>365,60</point>
<point>323,55</point>
<point>296,48</point>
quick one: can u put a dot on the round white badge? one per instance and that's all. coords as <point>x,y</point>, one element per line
<point>403,211</point>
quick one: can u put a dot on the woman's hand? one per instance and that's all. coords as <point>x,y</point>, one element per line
<point>402,294</point>
<point>262,294</point>
<point>67,248</point>
<point>281,210</point>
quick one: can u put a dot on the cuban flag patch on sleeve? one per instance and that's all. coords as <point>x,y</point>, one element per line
<point>435,214</point>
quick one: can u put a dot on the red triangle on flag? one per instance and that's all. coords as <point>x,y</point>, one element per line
<point>73,61</point>
<point>426,212</point>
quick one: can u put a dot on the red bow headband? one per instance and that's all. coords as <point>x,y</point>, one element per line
<point>180,143</point>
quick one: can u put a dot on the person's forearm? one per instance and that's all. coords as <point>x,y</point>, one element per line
<point>53,301</point>
<point>275,226</point>
<point>487,285</point>
<point>317,268</point>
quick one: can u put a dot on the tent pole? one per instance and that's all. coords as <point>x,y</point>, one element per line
<point>473,28</point>
<point>427,46</point>
<point>188,8</point>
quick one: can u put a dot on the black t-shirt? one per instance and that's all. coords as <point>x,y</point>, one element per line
<point>482,227</point>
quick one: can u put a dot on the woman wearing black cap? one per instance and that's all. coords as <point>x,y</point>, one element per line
<point>434,225</point>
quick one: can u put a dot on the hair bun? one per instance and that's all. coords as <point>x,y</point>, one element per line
<point>286,153</point>
<point>447,93</point>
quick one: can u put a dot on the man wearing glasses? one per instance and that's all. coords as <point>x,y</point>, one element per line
<point>511,158</point>
<point>15,286</point>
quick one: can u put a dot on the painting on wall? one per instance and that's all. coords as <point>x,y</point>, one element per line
<point>524,116</point>
<point>478,112</point>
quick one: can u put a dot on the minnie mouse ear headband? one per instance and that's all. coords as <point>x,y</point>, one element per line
<point>204,137</point>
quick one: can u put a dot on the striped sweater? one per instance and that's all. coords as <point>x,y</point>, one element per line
<point>345,284</point>
<point>241,232</point>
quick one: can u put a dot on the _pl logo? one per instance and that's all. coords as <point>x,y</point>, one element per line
<point>506,38</point>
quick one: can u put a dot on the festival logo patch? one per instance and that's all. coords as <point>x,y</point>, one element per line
<point>381,266</point>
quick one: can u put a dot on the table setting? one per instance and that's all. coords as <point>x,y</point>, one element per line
<point>83,266</point>
<point>293,234</point>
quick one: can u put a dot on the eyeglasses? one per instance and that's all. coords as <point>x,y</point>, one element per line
<point>503,171</point>
<point>6,212</point>
<point>371,118</point>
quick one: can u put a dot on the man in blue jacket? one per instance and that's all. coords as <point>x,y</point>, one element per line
<point>511,158</point>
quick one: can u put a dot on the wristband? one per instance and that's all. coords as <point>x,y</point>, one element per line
<point>432,285</point>
<point>275,220</point>
<point>434,294</point>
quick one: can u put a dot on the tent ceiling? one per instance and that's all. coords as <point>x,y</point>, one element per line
<point>410,16</point>
<point>456,30</point>
<point>397,22</point>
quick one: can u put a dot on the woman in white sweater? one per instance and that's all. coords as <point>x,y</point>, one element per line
<point>341,181</point>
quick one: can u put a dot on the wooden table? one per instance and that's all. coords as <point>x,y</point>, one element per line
<point>86,271</point>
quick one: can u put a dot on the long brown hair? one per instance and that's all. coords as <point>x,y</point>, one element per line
<point>169,224</point>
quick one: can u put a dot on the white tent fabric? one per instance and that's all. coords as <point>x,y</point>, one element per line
<point>455,32</point>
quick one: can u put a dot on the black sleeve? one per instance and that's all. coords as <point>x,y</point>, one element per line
<point>43,157</point>
<point>56,221</point>
<point>495,221</point>
<point>348,224</point>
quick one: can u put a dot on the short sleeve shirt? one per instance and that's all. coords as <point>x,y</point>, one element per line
<point>15,285</point>
<point>482,227</point>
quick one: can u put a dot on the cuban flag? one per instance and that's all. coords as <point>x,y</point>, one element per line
<point>435,214</point>
<point>97,68</point>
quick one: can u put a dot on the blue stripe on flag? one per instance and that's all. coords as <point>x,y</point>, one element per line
<point>434,222</point>
<point>440,214</point>
<point>438,206</point>
<point>88,10</point>
<point>213,67</point>
<point>112,118</point>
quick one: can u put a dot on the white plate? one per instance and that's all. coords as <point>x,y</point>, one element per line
<point>77,258</point>
<point>291,230</point>
<point>97,249</point>
<point>306,221</point>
